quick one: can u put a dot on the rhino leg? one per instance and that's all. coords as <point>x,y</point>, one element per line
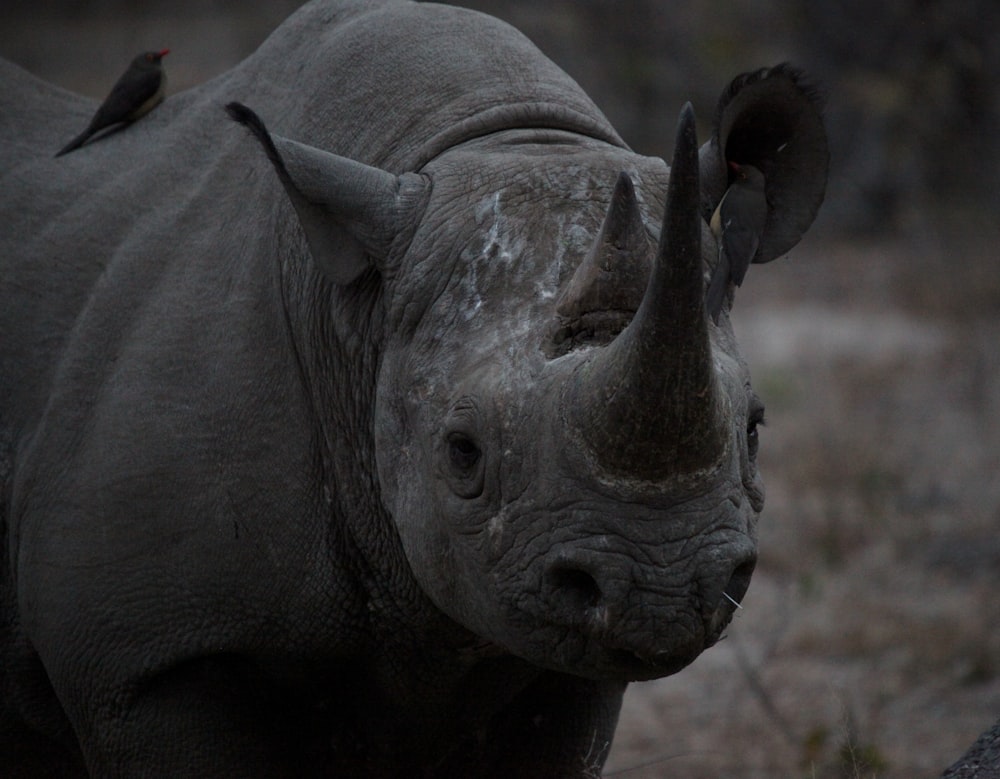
<point>38,742</point>
<point>203,718</point>
<point>36,739</point>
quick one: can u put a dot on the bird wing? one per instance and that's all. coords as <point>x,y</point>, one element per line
<point>717,286</point>
<point>130,92</point>
<point>740,243</point>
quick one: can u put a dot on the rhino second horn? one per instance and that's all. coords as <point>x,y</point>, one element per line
<point>647,405</point>
<point>614,274</point>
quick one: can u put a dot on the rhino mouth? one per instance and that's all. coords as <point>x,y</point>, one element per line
<point>621,652</point>
<point>595,658</point>
<point>640,660</point>
<point>637,667</point>
<point>638,663</point>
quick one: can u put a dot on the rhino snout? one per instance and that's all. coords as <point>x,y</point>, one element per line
<point>609,599</point>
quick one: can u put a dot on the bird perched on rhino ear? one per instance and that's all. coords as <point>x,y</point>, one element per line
<point>139,90</point>
<point>738,224</point>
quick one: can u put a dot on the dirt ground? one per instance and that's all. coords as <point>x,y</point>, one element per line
<point>868,643</point>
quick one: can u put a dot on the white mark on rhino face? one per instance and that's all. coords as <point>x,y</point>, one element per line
<point>502,247</point>
<point>500,244</point>
<point>495,528</point>
<point>521,249</point>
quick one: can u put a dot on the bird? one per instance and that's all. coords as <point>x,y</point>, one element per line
<point>139,90</point>
<point>738,224</point>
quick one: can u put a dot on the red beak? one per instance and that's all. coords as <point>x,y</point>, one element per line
<point>163,53</point>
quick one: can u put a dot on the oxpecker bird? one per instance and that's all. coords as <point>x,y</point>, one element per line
<point>140,89</point>
<point>738,224</point>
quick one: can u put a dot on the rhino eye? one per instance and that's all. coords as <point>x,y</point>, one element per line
<point>463,452</point>
<point>465,460</point>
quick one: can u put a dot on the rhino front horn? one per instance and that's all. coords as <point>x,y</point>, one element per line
<point>647,404</point>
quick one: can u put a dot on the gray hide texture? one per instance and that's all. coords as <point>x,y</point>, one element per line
<point>305,476</point>
<point>982,761</point>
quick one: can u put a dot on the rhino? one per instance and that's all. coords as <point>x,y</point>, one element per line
<point>382,432</point>
<point>981,760</point>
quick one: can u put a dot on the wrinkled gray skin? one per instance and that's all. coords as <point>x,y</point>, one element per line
<point>304,485</point>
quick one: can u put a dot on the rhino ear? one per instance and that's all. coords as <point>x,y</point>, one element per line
<point>351,213</point>
<point>771,119</point>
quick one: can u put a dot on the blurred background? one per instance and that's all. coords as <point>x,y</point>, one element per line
<point>869,643</point>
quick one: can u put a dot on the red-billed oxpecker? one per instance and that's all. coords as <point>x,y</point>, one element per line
<point>738,224</point>
<point>139,90</point>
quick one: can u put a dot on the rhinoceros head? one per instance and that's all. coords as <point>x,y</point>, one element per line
<point>565,441</point>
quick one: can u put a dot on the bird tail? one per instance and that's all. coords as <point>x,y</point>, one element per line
<point>76,143</point>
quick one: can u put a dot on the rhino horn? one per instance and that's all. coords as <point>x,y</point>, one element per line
<point>351,213</point>
<point>647,405</point>
<point>613,276</point>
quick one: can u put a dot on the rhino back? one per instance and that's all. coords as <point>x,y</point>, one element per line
<point>395,83</point>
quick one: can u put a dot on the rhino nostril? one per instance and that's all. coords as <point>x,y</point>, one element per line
<point>739,582</point>
<point>575,587</point>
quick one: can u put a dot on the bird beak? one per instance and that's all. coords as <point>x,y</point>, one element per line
<point>163,53</point>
